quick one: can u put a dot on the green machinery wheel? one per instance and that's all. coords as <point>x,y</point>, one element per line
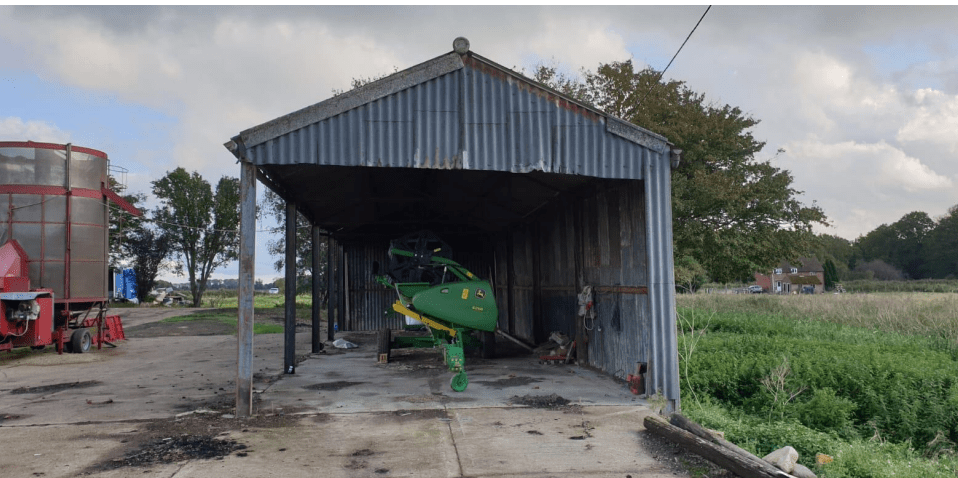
<point>459,382</point>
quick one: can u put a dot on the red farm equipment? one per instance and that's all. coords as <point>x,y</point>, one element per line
<point>55,208</point>
<point>27,316</point>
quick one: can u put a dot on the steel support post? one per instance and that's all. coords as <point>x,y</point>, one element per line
<point>317,340</point>
<point>663,360</point>
<point>289,344</point>
<point>330,291</point>
<point>247,258</point>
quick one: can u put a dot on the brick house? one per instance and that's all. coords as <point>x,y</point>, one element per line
<point>804,276</point>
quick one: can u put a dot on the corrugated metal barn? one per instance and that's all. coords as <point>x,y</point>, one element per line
<point>539,193</point>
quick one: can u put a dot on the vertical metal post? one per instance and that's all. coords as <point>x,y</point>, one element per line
<point>69,223</point>
<point>317,340</point>
<point>289,344</point>
<point>247,258</point>
<point>330,290</point>
<point>663,370</point>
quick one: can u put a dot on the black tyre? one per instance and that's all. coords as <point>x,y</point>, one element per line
<point>80,341</point>
<point>385,342</point>
<point>488,345</point>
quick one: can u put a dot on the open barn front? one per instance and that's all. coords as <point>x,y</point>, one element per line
<point>540,199</point>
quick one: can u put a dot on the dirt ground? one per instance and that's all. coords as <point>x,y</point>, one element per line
<point>199,430</point>
<point>204,326</point>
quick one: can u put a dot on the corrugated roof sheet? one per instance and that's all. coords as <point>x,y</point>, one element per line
<point>454,112</point>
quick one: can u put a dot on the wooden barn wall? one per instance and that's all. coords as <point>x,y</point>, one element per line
<point>538,268</point>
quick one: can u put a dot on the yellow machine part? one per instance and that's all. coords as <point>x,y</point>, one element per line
<point>398,307</point>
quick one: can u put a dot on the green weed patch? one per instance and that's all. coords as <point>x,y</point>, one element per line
<point>853,392</point>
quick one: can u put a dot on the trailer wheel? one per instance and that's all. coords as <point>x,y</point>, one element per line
<point>80,341</point>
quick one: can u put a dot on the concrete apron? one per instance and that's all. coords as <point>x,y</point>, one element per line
<point>357,417</point>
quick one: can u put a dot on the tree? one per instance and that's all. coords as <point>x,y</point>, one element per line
<point>842,252</point>
<point>942,246</point>
<point>831,274</point>
<point>689,274</point>
<point>203,226</point>
<point>276,207</point>
<point>148,249</point>
<point>732,213</point>
<point>901,244</point>
<point>123,225</point>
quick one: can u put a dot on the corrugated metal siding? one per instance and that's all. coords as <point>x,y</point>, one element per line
<point>476,118</point>
<point>368,300</point>
<point>414,128</point>
<point>662,340</point>
<point>370,304</point>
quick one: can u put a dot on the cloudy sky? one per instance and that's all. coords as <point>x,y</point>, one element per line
<point>864,100</point>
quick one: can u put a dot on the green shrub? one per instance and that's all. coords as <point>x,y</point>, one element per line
<point>825,411</point>
<point>855,378</point>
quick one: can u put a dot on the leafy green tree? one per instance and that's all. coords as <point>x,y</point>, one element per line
<point>842,252</point>
<point>942,246</point>
<point>123,225</point>
<point>831,274</point>
<point>901,244</point>
<point>148,249</point>
<point>732,213</point>
<point>202,225</point>
<point>276,207</point>
<point>689,274</point>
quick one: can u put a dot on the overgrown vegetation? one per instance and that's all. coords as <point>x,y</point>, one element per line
<point>871,380</point>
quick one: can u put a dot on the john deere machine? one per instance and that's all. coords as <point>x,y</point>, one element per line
<point>448,299</point>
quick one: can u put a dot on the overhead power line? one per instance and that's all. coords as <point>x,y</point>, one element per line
<point>676,53</point>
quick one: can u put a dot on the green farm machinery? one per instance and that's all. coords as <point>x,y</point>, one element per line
<point>458,308</point>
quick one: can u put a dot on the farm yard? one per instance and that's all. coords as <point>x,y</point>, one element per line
<point>870,380</point>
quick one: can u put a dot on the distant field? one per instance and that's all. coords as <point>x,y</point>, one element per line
<point>932,315</point>
<point>229,300</point>
<point>869,379</point>
<point>925,285</point>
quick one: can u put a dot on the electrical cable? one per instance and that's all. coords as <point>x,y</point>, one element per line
<point>676,54</point>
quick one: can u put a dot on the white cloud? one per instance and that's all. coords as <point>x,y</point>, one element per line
<point>862,185</point>
<point>14,129</point>
<point>861,141</point>
<point>935,121</point>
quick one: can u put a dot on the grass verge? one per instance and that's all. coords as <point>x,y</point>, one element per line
<point>227,318</point>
